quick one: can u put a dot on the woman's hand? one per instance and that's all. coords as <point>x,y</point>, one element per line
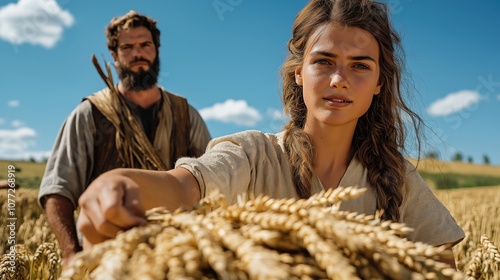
<point>112,203</point>
<point>117,200</point>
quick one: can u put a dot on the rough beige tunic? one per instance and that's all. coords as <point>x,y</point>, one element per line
<point>253,163</point>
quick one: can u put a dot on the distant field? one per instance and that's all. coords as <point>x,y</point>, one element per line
<point>455,175</point>
<point>437,166</point>
<point>28,175</point>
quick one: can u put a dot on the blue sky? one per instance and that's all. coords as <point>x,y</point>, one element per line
<point>224,56</point>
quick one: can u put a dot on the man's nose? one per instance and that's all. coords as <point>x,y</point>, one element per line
<point>137,51</point>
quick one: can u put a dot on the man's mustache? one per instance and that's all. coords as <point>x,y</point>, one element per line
<point>140,59</point>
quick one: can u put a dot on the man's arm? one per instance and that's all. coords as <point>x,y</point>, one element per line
<point>65,177</point>
<point>60,215</point>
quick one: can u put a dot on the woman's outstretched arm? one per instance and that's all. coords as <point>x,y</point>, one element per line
<point>117,200</point>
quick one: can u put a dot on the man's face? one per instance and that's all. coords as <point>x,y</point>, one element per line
<point>136,60</point>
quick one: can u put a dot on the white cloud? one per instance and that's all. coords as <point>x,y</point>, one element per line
<point>232,111</point>
<point>2,121</point>
<point>39,22</point>
<point>20,133</point>
<point>17,123</point>
<point>454,102</point>
<point>13,103</point>
<point>15,144</point>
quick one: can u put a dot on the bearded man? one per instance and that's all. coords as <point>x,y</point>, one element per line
<point>134,124</point>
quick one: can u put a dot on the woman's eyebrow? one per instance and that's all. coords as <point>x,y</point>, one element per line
<point>324,53</point>
<point>362,57</point>
<point>332,55</point>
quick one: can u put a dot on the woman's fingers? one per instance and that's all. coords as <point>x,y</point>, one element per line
<point>95,219</point>
<point>109,206</point>
<point>122,206</point>
<point>88,229</point>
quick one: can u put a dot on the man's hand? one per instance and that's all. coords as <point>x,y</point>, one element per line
<point>112,203</point>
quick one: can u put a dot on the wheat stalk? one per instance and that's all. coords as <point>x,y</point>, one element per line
<point>264,238</point>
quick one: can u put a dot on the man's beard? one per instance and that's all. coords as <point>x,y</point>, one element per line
<point>141,80</point>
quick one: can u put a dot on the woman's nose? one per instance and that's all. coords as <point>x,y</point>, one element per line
<point>338,79</point>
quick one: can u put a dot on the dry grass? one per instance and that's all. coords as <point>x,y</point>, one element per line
<point>478,213</point>
<point>37,254</point>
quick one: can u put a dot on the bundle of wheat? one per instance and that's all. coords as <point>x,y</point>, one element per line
<point>264,238</point>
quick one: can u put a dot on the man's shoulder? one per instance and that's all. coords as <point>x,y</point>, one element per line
<point>100,94</point>
<point>81,112</point>
<point>83,108</point>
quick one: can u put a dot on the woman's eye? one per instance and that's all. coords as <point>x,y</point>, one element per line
<point>322,62</point>
<point>361,66</point>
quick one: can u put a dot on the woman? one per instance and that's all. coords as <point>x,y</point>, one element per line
<point>341,89</point>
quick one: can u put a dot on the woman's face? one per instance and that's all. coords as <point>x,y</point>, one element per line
<point>339,75</point>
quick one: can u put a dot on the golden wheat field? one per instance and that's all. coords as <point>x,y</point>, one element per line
<point>245,243</point>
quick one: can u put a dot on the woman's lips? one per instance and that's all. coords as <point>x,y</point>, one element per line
<point>337,101</point>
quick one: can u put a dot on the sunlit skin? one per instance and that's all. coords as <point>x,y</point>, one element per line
<point>339,77</point>
<point>134,45</point>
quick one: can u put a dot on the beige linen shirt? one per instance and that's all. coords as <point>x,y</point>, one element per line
<point>252,163</point>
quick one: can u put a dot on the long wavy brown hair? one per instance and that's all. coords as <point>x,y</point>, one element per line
<point>379,138</point>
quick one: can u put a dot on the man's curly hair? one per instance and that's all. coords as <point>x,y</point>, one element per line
<point>131,19</point>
